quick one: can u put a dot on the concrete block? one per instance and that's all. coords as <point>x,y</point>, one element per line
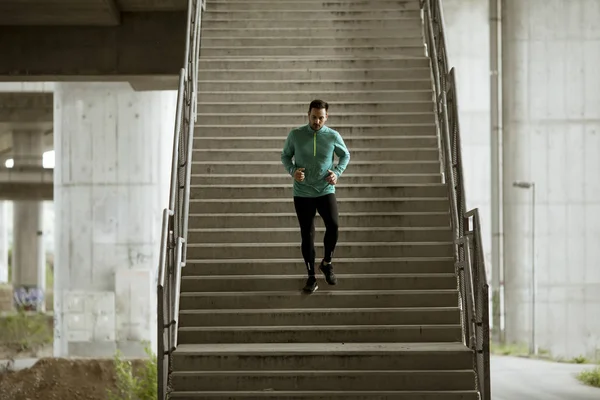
<point>89,316</point>
<point>133,297</point>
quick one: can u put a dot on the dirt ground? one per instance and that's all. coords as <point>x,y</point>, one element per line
<point>60,379</point>
<point>55,379</point>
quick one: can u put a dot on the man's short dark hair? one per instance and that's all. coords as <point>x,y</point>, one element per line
<point>319,105</point>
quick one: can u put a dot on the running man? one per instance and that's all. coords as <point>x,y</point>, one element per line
<point>308,156</point>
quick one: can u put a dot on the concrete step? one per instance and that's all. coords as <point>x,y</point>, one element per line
<point>323,356</point>
<point>251,283</point>
<point>364,154</point>
<point>315,32</point>
<point>287,266</point>
<point>321,380</point>
<point>337,316</point>
<point>313,5</point>
<point>266,41</point>
<point>267,15</point>
<point>347,249</point>
<point>323,334</point>
<point>307,85</point>
<point>289,220</point>
<point>227,191</point>
<point>321,74</point>
<point>301,118</point>
<point>302,108</point>
<point>311,63</point>
<point>330,395</point>
<point>346,234</point>
<point>283,178</point>
<point>323,298</point>
<point>361,130</point>
<point>374,22</point>
<point>220,95</point>
<point>355,167</point>
<point>352,142</point>
<point>325,50</point>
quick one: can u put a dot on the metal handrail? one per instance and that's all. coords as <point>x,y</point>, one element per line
<point>173,242</point>
<point>466,227</point>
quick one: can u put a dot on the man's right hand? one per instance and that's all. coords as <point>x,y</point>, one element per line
<point>299,175</point>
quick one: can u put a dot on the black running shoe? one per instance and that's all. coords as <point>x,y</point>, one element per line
<point>311,285</point>
<point>327,270</point>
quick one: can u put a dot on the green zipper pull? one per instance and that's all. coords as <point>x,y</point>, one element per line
<point>315,144</point>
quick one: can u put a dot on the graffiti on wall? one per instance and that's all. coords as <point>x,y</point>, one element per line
<point>28,298</point>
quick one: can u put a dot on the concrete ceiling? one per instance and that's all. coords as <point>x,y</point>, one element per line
<point>78,12</point>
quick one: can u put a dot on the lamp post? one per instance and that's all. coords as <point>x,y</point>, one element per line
<point>531,185</point>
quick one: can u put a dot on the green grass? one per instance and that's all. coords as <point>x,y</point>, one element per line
<point>135,385</point>
<point>25,331</point>
<point>590,377</point>
<point>509,349</point>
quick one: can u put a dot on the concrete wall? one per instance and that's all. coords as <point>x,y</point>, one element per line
<point>113,153</point>
<point>552,137</point>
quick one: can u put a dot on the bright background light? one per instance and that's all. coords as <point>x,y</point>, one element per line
<point>47,160</point>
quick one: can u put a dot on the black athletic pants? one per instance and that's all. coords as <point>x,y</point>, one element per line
<point>306,208</point>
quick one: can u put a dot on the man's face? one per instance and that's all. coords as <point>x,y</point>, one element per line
<point>317,118</point>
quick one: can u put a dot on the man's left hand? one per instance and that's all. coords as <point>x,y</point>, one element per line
<point>332,177</point>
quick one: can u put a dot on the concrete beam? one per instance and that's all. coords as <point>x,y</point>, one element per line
<point>26,183</point>
<point>26,107</point>
<point>113,11</point>
<point>58,12</point>
<point>145,45</point>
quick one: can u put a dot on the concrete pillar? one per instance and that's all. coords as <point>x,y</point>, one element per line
<point>113,154</point>
<point>3,242</point>
<point>551,113</point>
<point>28,254</point>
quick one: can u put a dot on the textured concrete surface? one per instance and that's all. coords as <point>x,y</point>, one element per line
<point>552,136</point>
<point>523,379</point>
<point>111,183</point>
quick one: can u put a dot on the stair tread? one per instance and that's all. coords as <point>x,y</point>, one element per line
<point>287,127</point>
<point>342,229</point>
<point>322,372</point>
<point>358,214</point>
<point>286,185</point>
<point>320,348</point>
<point>283,174</point>
<point>346,137</point>
<point>294,260</point>
<point>297,276</point>
<point>311,81</point>
<point>298,103</point>
<point>316,327</point>
<point>363,149</point>
<point>317,310</point>
<point>303,393</point>
<point>344,244</point>
<point>319,293</point>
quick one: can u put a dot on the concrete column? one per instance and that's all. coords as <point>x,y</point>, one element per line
<point>551,113</point>
<point>113,154</point>
<point>3,242</point>
<point>28,255</point>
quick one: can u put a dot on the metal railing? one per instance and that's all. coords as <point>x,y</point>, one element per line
<point>175,218</point>
<point>466,228</point>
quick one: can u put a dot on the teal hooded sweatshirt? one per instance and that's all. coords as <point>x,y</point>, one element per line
<point>314,151</point>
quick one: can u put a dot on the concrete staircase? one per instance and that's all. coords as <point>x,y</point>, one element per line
<point>391,328</point>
